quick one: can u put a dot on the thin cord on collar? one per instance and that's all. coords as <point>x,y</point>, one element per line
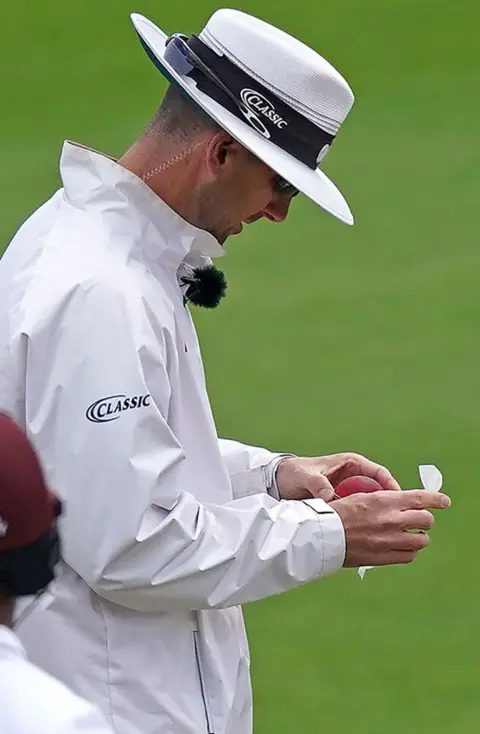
<point>171,162</point>
<point>206,285</point>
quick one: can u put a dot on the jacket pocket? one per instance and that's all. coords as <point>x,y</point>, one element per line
<point>201,678</point>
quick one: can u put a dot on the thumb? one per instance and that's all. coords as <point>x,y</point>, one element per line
<point>319,486</point>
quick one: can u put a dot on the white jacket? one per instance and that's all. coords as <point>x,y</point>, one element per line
<point>167,529</point>
<point>32,702</point>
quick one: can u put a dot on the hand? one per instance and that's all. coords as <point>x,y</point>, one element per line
<point>378,525</point>
<point>303,478</point>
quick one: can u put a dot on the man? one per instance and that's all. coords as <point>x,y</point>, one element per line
<point>31,702</point>
<point>169,529</point>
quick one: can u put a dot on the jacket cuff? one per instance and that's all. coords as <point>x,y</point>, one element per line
<point>333,535</point>
<point>270,474</point>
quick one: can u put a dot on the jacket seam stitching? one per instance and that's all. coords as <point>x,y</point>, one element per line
<point>107,661</point>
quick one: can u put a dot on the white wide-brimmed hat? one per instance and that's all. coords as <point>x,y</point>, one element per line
<point>272,93</point>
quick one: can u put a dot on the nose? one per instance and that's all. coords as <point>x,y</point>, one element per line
<point>277,209</point>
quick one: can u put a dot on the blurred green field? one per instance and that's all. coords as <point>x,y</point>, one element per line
<point>332,338</point>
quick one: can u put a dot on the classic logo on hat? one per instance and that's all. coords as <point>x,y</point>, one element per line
<point>276,96</point>
<point>256,102</point>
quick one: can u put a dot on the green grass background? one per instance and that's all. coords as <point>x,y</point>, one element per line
<point>331,338</point>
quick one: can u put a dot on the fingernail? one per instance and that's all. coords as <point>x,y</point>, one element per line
<point>446,502</point>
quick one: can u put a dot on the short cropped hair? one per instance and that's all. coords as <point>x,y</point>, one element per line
<point>179,118</point>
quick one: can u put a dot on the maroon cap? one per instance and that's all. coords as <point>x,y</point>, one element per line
<point>27,508</point>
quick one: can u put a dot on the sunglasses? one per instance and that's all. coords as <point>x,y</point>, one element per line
<point>183,60</point>
<point>284,188</point>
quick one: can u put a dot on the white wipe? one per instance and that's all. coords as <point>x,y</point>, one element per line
<point>432,481</point>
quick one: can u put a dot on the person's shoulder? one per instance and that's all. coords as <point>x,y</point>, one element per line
<point>106,287</point>
<point>71,264</point>
<point>34,701</point>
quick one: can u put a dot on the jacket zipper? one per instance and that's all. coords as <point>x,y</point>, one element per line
<point>208,717</point>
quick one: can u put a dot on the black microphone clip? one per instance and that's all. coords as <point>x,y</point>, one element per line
<point>206,286</point>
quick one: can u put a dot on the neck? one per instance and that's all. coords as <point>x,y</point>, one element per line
<point>152,161</point>
<point>6,607</point>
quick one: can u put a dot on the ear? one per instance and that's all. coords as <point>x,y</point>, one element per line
<point>220,154</point>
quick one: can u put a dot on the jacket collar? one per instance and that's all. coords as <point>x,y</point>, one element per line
<point>95,181</point>
<point>10,645</point>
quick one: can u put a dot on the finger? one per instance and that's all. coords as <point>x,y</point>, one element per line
<point>350,465</point>
<point>380,473</point>
<point>410,542</point>
<point>340,471</point>
<point>384,477</point>
<point>319,486</point>
<point>391,558</point>
<point>416,520</point>
<point>421,499</point>
<point>399,543</point>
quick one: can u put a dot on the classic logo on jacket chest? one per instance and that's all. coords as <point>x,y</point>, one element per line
<point>111,407</point>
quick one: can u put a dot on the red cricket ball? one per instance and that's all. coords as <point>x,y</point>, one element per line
<point>353,485</point>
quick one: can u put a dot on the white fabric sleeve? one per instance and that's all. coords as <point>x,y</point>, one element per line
<point>89,721</point>
<point>251,469</point>
<point>131,530</point>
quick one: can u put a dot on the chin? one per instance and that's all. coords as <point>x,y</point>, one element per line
<point>231,233</point>
<point>219,236</point>
<point>223,237</point>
